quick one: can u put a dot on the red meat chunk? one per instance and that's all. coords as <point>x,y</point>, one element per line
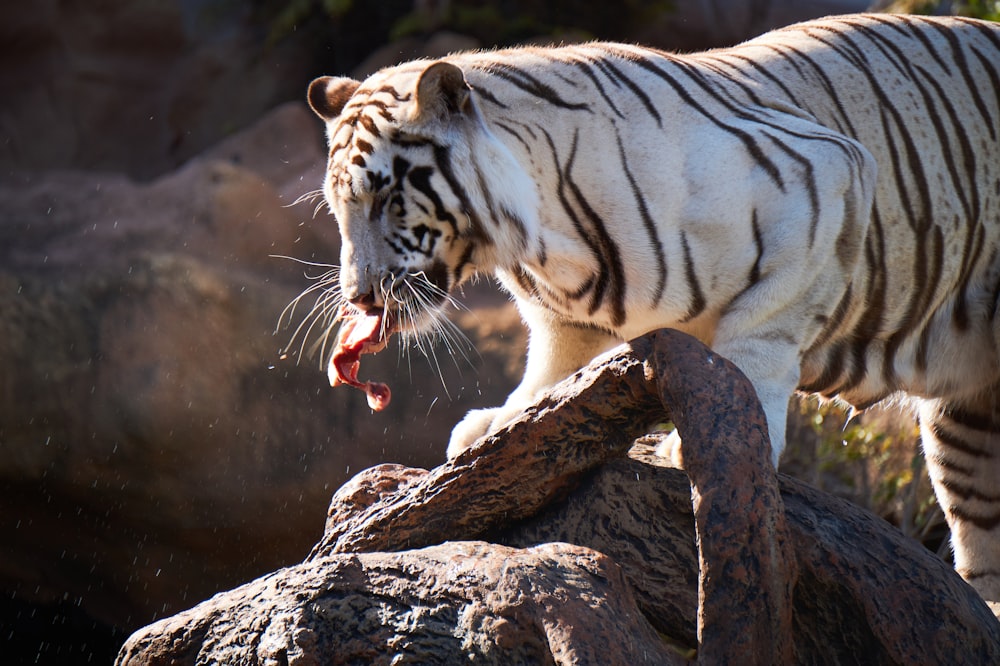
<point>360,333</point>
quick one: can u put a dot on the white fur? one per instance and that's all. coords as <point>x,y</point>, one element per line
<point>811,226</point>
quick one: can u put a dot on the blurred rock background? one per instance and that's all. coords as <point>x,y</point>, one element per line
<point>156,444</point>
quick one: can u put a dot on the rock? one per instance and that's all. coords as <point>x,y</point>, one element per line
<point>155,446</point>
<point>134,88</point>
<point>447,604</point>
<point>782,577</point>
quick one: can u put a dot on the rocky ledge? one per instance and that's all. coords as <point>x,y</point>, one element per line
<point>582,554</point>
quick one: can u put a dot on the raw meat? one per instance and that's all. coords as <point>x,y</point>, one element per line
<point>360,333</point>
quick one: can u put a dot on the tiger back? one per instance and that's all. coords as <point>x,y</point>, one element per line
<point>821,205</point>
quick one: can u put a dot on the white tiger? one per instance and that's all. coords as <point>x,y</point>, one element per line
<point>821,205</point>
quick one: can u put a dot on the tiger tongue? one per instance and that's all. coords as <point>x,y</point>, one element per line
<point>360,333</point>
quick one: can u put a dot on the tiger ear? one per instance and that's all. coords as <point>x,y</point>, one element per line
<point>442,90</point>
<point>328,95</point>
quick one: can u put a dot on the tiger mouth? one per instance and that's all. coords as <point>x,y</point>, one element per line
<point>361,333</point>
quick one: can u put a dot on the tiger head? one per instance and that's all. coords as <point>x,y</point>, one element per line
<point>423,194</point>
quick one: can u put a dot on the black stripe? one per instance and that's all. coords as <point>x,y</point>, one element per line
<point>956,442</point>
<point>963,66</point>
<point>833,323</point>
<point>989,29</point>
<point>971,208</point>
<point>914,31</point>
<point>745,138</point>
<point>563,77</point>
<point>488,96</point>
<point>888,111</point>
<point>764,115</point>
<point>647,221</point>
<point>526,282</point>
<point>484,189</point>
<point>442,157</point>
<point>410,246</point>
<point>738,104</point>
<point>598,281</point>
<point>420,178</point>
<point>383,110</point>
<point>916,310</point>
<point>533,86</point>
<point>994,75</point>
<point>749,141</point>
<point>464,260</point>
<point>923,347</point>
<point>960,315</point>
<point>968,154</point>
<point>606,244</point>
<point>828,86</point>
<point>758,241</point>
<point>984,522</point>
<point>810,181</point>
<point>870,323</point>
<point>394,93</point>
<point>363,146</point>
<point>616,75</point>
<point>973,420</point>
<point>754,276</point>
<point>513,133</point>
<point>967,492</point>
<point>920,297</point>
<point>940,459</point>
<point>370,125</point>
<point>833,369</point>
<point>514,220</point>
<point>760,69</point>
<point>698,302</point>
<point>589,72</point>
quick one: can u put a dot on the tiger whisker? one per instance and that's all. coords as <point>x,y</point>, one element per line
<point>444,329</point>
<point>289,311</point>
<point>305,197</point>
<point>425,296</point>
<point>325,311</point>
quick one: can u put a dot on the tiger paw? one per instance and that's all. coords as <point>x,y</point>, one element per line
<point>669,449</point>
<point>476,423</point>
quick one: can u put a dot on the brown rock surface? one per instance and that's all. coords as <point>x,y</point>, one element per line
<point>448,604</point>
<point>795,577</point>
<point>133,87</point>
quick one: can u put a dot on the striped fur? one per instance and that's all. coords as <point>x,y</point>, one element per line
<point>821,205</point>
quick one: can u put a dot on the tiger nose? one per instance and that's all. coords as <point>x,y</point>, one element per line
<point>364,301</point>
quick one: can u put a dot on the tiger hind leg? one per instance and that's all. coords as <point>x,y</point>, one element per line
<point>962,448</point>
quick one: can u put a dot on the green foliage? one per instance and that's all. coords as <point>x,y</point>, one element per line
<point>918,7</point>
<point>290,14</point>
<point>494,23</point>
<point>875,461</point>
<point>983,9</point>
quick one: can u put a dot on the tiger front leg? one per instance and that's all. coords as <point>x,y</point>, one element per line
<point>773,372</point>
<point>556,349</point>
<point>771,363</point>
